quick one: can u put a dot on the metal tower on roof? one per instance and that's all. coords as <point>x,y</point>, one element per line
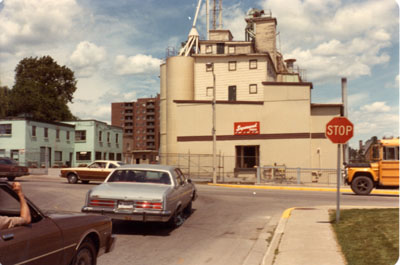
<point>192,44</point>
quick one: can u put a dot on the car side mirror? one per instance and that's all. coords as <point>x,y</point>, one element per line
<point>189,181</point>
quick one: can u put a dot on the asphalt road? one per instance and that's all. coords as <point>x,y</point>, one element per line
<point>223,228</point>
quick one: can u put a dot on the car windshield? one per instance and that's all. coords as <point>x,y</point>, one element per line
<point>120,163</point>
<point>143,176</point>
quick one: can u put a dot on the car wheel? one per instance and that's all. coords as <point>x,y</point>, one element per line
<point>362,185</point>
<point>176,219</point>
<point>86,254</point>
<point>85,181</point>
<point>188,209</point>
<point>10,178</point>
<point>72,178</point>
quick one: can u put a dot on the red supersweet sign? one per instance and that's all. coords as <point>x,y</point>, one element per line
<point>245,128</point>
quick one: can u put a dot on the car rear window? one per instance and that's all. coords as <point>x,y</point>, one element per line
<point>143,176</point>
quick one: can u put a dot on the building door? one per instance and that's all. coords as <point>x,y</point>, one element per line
<point>49,155</point>
<point>247,156</point>
<point>70,160</point>
<point>232,93</point>
<point>220,48</point>
<point>42,156</point>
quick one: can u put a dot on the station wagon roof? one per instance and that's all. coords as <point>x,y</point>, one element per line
<point>148,166</point>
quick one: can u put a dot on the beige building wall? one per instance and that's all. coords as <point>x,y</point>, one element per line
<point>242,77</point>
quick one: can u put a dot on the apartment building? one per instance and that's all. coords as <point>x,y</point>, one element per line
<point>141,125</point>
<point>264,113</point>
<point>37,144</point>
<point>96,140</point>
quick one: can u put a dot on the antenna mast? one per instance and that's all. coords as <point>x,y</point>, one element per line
<point>215,11</point>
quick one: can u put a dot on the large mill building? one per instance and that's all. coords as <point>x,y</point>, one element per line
<point>264,113</point>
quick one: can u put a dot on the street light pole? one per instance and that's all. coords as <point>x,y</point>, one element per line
<point>214,136</point>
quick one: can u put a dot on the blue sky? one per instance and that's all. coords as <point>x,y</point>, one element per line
<point>115,48</point>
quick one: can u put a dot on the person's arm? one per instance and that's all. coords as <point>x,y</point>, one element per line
<point>25,212</point>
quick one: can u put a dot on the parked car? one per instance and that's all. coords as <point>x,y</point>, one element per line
<point>145,193</point>
<point>96,171</point>
<point>53,238</point>
<point>10,169</point>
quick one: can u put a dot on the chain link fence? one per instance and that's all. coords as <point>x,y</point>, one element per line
<point>199,167</point>
<point>287,175</point>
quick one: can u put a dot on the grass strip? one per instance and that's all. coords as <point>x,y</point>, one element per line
<point>368,236</point>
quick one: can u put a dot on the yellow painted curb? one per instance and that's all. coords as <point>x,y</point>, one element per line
<point>297,188</point>
<point>287,212</point>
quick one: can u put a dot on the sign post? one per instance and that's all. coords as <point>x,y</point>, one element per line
<point>339,130</point>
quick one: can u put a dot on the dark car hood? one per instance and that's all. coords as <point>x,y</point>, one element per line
<point>70,219</point>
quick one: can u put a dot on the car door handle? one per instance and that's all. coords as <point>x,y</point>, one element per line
<point>7,237</point>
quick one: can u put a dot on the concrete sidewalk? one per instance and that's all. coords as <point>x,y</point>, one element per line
<point>304,236</point>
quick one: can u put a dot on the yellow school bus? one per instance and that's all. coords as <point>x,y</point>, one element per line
<point>381,170</point>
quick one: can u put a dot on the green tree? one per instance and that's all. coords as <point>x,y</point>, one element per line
<point>42,90</point>
<point>4,101</point>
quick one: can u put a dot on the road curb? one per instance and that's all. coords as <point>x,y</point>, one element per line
<point>273,246</point>
<point>298,188</point>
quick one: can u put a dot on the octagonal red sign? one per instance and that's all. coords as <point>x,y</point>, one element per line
<point>339,130</point>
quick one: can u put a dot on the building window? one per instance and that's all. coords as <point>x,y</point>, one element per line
<point>6,128</point>
<point>33,131</point>
<point>253,88</point>
<point>108,137</point>
<point>231,49</point>
<point>209,91</point>
<point>209,67</point>
<point>116,138</point>
<point>46,132</point>
<point>2,152</point>
<point>253,64</point>
<point>83,155</point>
<point>247,156</point>
<point>68,135</point>
<point>232,66</point>
<point>58,156</point>
<point>98,156</point>
<point>111,156</point>
<point>80,136</point>
<point>57,134</point>
<point>119,156</point>
<point>208,48</point>
<point>100,136</point>
<point>14,154</point>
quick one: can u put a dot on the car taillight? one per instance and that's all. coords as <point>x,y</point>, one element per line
<point>102,203</point>
<point>148,205</point>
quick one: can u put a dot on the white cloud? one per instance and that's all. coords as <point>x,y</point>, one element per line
<point>138,64</point>
<point>376,107</point>
<point>375,119</point>
<point>26,23</point>
<point>86,58</point>
<point>91,109</point>
<point>331,39</point>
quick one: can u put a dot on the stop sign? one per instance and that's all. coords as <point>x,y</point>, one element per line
<point>339,130</point>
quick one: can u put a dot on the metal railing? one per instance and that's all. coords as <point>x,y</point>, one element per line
<point>287,175</point>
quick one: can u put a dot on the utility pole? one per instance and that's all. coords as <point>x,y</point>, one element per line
<point>213,130</point>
